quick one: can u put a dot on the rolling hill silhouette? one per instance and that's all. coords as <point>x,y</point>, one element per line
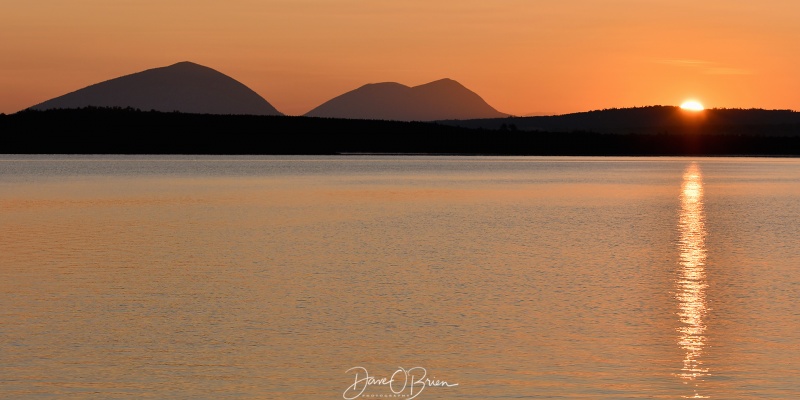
<point>185,87</point>
<point>438,100</point>
<point>653,120</point>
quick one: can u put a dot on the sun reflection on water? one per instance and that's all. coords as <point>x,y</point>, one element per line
<point>691,279</point>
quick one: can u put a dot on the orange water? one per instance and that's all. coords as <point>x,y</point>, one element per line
<point>271,277</point>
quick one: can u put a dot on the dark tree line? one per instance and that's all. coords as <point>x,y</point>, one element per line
<point>129,131</point>
<point>656,119</point>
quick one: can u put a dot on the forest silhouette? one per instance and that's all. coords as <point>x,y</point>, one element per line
<point>654,120</point>
<point>94,130</point>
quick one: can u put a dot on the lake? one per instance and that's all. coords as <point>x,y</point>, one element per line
<point>399,277</point>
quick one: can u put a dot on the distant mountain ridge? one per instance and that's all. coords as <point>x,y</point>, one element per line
<point>185,87</point>
<point>653,120</point>
<point>437,100</point>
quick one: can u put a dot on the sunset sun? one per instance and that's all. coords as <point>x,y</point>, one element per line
<point>692,105</point>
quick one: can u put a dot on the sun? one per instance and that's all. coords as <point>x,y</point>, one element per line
<point>692,105</point>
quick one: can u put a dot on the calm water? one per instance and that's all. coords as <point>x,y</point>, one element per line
<point>293,277</point>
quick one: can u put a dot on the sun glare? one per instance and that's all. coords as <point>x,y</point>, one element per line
<point>692,105</point>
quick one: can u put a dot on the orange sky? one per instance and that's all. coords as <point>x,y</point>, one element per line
<point>521,56</point>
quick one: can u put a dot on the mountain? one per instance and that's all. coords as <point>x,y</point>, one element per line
<point>654,120</point>
<point>438,100</point>
<point>185,87</point>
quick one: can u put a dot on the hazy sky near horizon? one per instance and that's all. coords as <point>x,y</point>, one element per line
<point>521,56</point>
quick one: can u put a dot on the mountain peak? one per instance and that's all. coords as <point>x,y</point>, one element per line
<point>386,84</point>
<point>186,65</point>
<point>438,100</point>
<point>184,86</point>
<point>444,81</point>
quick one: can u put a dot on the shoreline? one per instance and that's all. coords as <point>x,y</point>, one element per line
<point>128,131</point>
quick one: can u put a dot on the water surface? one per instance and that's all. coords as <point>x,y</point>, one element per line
<point>271,277</point>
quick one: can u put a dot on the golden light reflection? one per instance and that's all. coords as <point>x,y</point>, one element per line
<point>691,280</point>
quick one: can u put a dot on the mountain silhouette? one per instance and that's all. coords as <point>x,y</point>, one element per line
<point>185,87</point>
<point>438,100</point>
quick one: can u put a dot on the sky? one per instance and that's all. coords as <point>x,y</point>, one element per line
<point>523,57</point>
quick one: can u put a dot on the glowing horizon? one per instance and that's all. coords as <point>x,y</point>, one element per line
<point>692,105</point>
<point>522,59</point>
